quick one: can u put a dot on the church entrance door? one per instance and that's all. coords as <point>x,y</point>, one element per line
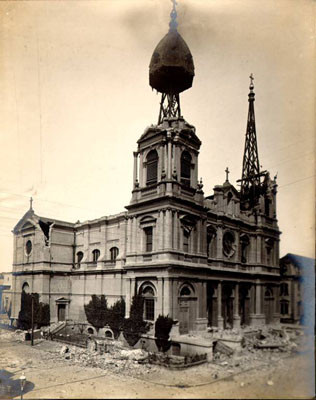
<point>61,312</point>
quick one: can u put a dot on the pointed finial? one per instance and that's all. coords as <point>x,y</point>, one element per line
<point>173,23</point>
<point>251,87</point>
<point>31,203</point>
<point>227,172</point>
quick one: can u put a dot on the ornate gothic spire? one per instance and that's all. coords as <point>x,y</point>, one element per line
<point>250,181</point>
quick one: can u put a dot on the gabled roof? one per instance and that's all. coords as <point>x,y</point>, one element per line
<point>31,218</point>
<point>27,217</point>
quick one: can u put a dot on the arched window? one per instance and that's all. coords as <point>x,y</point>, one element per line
<point>148,238</point>
<point>244,243</point>
<point>79,257</point>
<point>114,253</point>
<point>152,167</point>
<point>26,288</point>
<point>185,291</point>
<point>95,255</point>
<point>28,247</point>
<point>186,161</point>
<point>148,294</point>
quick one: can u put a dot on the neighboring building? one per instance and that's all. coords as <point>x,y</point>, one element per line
<point>296,287</point>
<point>5,292</point>
<point>203,260</point>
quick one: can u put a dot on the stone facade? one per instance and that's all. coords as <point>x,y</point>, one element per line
<point>199,259</point>
<point>296,287</point>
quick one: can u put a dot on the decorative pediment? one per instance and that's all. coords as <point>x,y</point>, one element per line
<point>28,220</point>
<point>62,300</point>
<point>147,220</point>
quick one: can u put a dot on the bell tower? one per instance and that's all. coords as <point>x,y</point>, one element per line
<point>166,161</point>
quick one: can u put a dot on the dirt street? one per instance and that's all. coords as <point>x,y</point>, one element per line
<point>55,376</point>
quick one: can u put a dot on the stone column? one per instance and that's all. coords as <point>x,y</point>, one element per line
<point>219,245</point>
<point>135,242</point>
<point>160,299</point>
<point>175,231</point>
<point>259,257</point>
<point>236,307</point>
<point>167,299</point>
<point>258,318</point>
<point>201,321</point>
<point>141,169</point>
<point>165,159</point>
<point>135,177</point>
<point>168,229</point>
<point>160,229</point>
<point>220,319</point>
<point>276,295</point>
<point>169,172</point>
<point>129,235</point>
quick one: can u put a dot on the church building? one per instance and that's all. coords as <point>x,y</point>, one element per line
<point>203,259</point>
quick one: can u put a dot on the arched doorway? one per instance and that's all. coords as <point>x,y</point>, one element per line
<point>268,305</point>
<point>228,306</point>
<point>244,305</point>
<point>187,309</point>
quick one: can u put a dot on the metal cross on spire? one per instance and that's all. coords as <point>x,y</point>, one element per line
<point>227,173</point>
<point>251,81</point>
<point>173,23</point>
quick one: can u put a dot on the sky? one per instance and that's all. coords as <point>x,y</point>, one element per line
<point>75,98</point>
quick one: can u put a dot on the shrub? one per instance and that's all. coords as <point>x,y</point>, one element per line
<point>96,311</point>
<point>135,325</point>
<point>163,327</point>
<point>41,312</point>
<point>116,317</point>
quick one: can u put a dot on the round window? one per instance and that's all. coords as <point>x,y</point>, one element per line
<point>28,247</point>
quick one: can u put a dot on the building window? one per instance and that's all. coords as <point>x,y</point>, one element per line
<point>79,257</point>
<point>95,255</point>
<point>114,253</point>
<point>185,291</point>
<point>284,307</point>
<point>186,161</point>
<point>244,244</point>
<point>186,239</point>
<point>284,289</point>
<point>149,238</point>
<point>149,303</point>
<point>152,167</point>
<point>28,247</point>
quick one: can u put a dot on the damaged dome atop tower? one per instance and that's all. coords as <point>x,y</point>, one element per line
<point>171,68</point>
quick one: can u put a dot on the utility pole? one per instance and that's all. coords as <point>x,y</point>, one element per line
<point>32,321</point>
